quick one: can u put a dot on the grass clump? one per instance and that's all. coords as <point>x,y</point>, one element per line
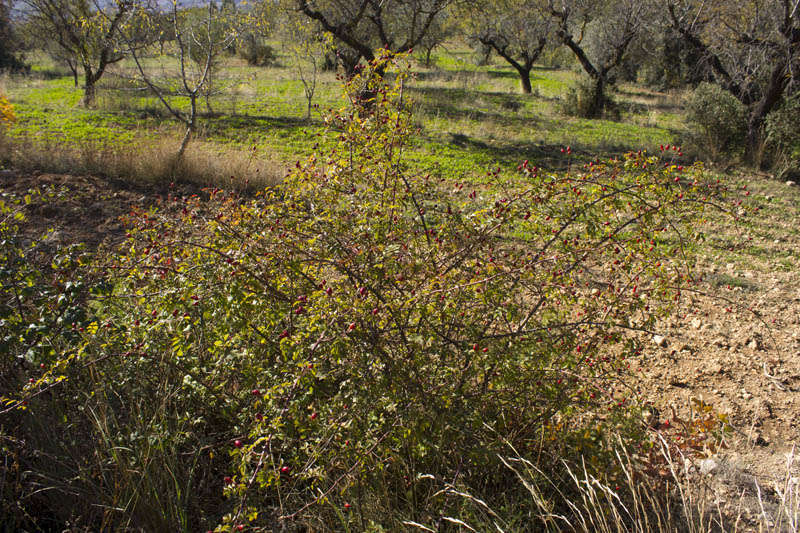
<point>149,161</point>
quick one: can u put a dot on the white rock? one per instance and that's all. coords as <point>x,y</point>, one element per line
<point>660,341</point>
<point>790,183</point>
<point>708,466</point>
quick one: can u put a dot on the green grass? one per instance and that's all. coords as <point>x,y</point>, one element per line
<point>471,118</point>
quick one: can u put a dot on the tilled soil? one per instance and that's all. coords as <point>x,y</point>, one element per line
<point>736,347</point>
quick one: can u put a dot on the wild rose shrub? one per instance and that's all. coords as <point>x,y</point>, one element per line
<point>7,116</point>
<point>336,350</point>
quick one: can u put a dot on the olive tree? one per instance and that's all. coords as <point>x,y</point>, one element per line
<point>517,30</point>
<point>613,26</point>
<point>753,50</point>
<point>366,25</point>
<point>8,40</point>
<point>85,32</point>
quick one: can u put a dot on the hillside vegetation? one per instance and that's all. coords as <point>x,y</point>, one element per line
<point>434,304</point>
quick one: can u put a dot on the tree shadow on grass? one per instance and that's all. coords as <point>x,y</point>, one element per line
<point>501,108</point>
<point>550,157</point>
<point>228,125</point>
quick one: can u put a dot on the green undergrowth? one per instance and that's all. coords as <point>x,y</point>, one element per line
<point>470,117</point>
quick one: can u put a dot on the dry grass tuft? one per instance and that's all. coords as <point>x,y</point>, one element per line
<point>682,501</point>
<point>145,161</point>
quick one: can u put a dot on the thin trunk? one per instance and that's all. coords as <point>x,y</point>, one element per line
<point>73,67</point>
<point>190,124</point>
<point>185,142</point>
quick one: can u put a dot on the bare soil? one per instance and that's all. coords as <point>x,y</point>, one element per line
<point>735,345</point>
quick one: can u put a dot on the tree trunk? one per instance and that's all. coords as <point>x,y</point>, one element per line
<point>753,143</point>
<point>89,90</point>
<point>598,102</point>
<point>758,114</point>
<point>74,69</point>
<point>185,141</point>
<point>190,125</point>
<point>525,80</point>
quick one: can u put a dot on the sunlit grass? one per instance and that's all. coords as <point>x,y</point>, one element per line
<point>471,117</point>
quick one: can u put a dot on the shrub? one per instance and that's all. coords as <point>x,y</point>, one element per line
<point>257,53</point>
<point>334,351</point>
<point>579,101</point>
<point>717,121</point>
<point>7,116</point>
<point>42,303</point>
<point>783,136</point>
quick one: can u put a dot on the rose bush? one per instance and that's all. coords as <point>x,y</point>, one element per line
<point>334,351</point>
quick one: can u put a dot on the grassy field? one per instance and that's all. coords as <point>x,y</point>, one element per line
<point>471,118</point>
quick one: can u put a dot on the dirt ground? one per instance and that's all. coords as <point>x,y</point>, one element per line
<point>736,347</point>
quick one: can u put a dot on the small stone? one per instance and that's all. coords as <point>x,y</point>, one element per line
<point>708,466</point>
<point>753,344</point>
<point>746,395</point>
<point>790,183</point>
<point>659,340</point>
<point>696,323</point>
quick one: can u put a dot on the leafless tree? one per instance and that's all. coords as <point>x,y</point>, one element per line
<point>199,40</point>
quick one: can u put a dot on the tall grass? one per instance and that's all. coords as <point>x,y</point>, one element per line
<point>682,500</point>
<point>145,161</point>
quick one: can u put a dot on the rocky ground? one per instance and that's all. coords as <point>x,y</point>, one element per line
<point>735,345</point>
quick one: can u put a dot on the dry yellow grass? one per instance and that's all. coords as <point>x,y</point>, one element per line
<point>146,161</point>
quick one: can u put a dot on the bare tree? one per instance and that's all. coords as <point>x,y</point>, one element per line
<point>366,25</point>
<point>753,49</point>
<point>199,40</point>
<point>517,30</point>
<point>308,48</point>
<point>614,24</point>
<point>85,31</point>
